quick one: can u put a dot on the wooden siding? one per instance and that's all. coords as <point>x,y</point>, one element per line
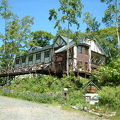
<point>94,47</point>
<point>83,58</point>
<point>34,61</point>
<point>60,62</point>
<point>56,62</point>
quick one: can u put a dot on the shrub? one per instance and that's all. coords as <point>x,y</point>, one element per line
<point>47,89</point>
<point>76,97</point>
<point>110,96</point>
<point>108,75</point>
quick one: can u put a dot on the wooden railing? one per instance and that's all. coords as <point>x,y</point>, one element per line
<point>24,69</point>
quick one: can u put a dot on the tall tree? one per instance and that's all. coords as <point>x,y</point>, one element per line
<point>112,16</point>
<point>41,38</point>
<point>18,33</point>
<point>69,11</point>
<point>91,22</point>
<point>6,14</point>
<point>108,40</point>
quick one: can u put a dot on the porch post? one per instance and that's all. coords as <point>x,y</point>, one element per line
<point>90,58</point>
<point>74,58</point>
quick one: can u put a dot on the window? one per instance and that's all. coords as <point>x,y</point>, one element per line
<point>46,54</point>
<point>38,56</point>
<point>80,49</point>
<point>86,51</point>
<point>17,61</point>
<point>23,60</point>
<point>30,58</point>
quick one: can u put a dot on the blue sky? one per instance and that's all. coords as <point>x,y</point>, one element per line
<point>39,9</point>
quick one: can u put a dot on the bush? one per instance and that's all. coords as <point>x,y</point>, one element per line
<point>110,96</point>
<point>47,89</point>
<point>76,97</point>
<point>108,75</point>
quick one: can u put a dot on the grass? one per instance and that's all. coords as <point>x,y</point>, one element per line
<point>49,90</point>
<point>45,89</point>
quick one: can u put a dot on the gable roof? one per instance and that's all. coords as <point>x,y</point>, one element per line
<point>66,39</point>
<point>83,41</point>
<point>37,50</point>
<point>34,48</point>
<point>86,39</point>
<point>65,47</point>
<point>41,49</point>
<point>91,83</point>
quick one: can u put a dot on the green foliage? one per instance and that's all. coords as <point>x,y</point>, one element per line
<point>110,97</point>
<point>111,12</point>
<point>5,11</point>
<point>91,22</point>
<point>70,10</point>
<point>76,98</point>
<point>64,33</point>
<point>42,84</point>
<point>53,14</point>
<point>47,89</point>
<point>17,34</point>
<point>2,80</point>
<point>108,40</point>
<point>46,84</point>
<point>41,38</point>
<point>108,75</point>
<point>112,16</point>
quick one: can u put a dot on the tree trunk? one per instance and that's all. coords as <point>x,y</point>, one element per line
<point>5,30</point>
<point>117,26</point>
<point>68,51</point>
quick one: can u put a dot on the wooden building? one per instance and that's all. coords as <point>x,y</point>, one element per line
<point>83,58</point>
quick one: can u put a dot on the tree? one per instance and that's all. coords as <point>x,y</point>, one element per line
<point>108,40</point>
<point>70,10</point>
<point>41,38</point>
<point>108,74</point>
<point>6,60</point>
<point>64,33</point>
<point>112,16</point>
<point>91,22</point>
<point>6,14</point>
<point>18,31</point>
<point>17,34</point>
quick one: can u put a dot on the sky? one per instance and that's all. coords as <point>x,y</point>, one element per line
<point>39,9</point>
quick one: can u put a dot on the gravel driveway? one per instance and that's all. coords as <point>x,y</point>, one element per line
<point>14,109</point>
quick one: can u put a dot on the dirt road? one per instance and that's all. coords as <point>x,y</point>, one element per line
<point>14,109</point>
